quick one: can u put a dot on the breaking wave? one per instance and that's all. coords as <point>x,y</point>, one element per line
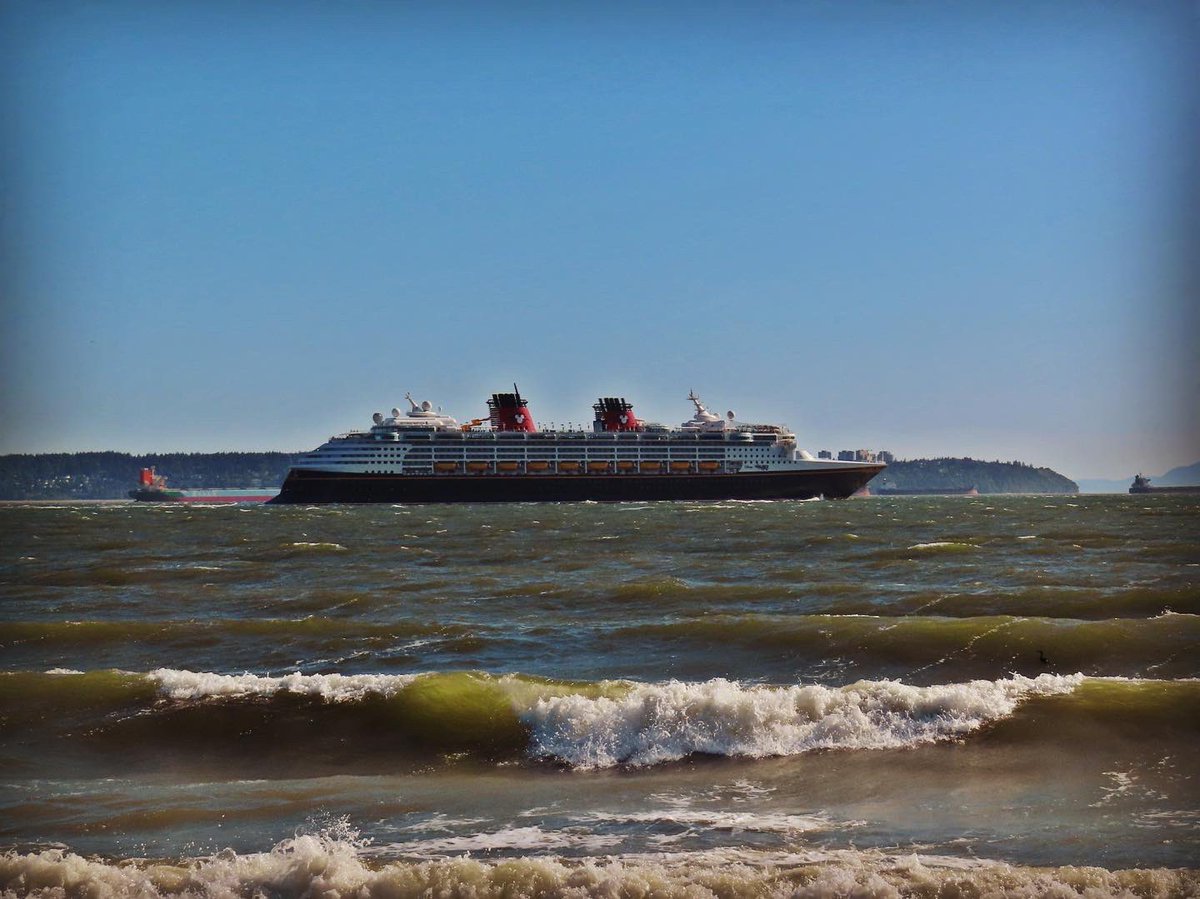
<point>582,725</point>
<point>333,867</point>
<point>655,723</point>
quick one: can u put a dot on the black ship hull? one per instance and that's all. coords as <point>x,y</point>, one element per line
<point>306,486</point>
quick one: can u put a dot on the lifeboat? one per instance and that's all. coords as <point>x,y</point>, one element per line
<point>709,466</point>
<point>537,466</point>
<point>681,466</point>
<point>626,465</point>
<point>478,466</point>
<point>445,466</point>
<point>506,466</point>
<point>568,466</point>
<point>651,466</point>
<point>599,466</point>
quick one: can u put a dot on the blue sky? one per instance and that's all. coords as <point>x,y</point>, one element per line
<point>941,229</point>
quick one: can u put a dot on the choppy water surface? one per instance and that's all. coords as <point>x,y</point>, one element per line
<point>894,695</point>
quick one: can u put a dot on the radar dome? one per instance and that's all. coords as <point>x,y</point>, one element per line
<point>426,406</point>
<point>730,415</point>
<point>377,417</point>
<point>395,413</point>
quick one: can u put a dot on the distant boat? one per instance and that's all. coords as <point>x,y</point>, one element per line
<point>152,488</point>
<point>926,491</point>
<point>1142,485</point>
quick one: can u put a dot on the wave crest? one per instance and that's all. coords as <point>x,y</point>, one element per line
<point>190,685</point>
<point>655,723</point>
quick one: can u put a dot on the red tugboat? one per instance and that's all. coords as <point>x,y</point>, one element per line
<point>422,456</point>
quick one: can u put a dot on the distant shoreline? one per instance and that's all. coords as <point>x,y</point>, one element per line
<point>68,499</point>
<point>107,476</point>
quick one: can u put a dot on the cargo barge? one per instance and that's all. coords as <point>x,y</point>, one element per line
<point>1142,485</point>
<point>152,488</point>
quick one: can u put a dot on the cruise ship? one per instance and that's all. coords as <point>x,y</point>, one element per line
<point>422,456</point>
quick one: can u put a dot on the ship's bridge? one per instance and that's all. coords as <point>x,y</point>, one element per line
<point>420,417</point>
<point>708,422</point>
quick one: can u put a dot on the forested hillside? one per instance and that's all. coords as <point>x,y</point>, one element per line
<point>986,477</point>
<point>112,475</point>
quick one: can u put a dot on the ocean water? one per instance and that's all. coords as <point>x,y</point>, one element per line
<point>889,696</point>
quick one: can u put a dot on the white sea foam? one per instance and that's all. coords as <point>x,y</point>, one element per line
<point>718,819</point>
<point>441,822</point>
<point>319,865</point>
<point>191,685</point>
<point>1188,819</point>
<point>1123,784</point>
<point>507,839</point>
<point>656,723</point>
<point>744,790</point>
